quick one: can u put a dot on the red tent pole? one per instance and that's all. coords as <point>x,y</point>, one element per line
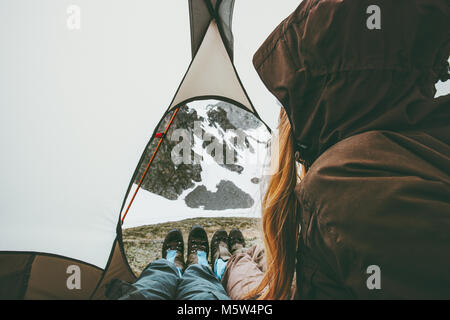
<point>150,162</point>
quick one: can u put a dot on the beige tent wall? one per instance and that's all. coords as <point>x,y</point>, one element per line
<point>40,276</point>
<point>211,73</point>
<point>49,276</point>
<point>116,269</point>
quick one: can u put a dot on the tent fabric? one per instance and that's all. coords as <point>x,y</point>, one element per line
<point>61,207</point>
<point>117,268</point>
<point>38,276</point>
<point>14,273</point>
<point>212,74</point>
<point>25,275</point>
<point>224,20</point>
<point>68,147</point>
<point>202,12</point>
<point>49,275</point>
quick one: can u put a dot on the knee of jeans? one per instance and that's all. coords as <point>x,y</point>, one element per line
<point>160,267</point>
<point>198,270</point>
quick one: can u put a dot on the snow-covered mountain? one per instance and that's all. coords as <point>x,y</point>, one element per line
<point>210,164</point>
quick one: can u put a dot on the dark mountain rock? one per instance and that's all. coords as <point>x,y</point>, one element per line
<point>227,196</point>
<point>164,177</point>
<point>237,117</point>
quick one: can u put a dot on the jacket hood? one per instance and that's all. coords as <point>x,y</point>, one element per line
<point>343,67</point>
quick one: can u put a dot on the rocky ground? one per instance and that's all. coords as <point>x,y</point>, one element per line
<point>144,244</point>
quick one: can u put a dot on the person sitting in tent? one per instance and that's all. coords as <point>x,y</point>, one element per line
<point>170,278</point>
<point>356,82</point>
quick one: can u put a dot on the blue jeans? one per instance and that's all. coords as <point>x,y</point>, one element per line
<point>162,280</point>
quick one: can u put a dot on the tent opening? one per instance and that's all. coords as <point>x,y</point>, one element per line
<point>208,169</point>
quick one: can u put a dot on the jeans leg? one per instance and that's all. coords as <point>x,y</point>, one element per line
<point>159,281</point>
<point>200,283</point>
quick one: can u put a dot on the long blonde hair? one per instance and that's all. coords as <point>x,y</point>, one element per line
<point>280,220</point>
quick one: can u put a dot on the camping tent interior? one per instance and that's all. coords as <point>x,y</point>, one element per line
<point>76,146</point>
<point>82,108</point>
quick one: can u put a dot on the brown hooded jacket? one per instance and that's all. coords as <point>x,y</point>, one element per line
<point>357,80</point>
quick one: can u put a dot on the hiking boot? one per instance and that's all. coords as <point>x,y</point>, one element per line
<point>219,247</point>
<point>174,241</point>
<point>197,241</point>
<point>236,241</point>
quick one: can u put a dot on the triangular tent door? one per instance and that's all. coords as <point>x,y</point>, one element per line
<point>205,158</point>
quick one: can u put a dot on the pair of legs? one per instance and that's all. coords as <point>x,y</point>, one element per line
<point>171,278</point>
<point>161,280</point>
